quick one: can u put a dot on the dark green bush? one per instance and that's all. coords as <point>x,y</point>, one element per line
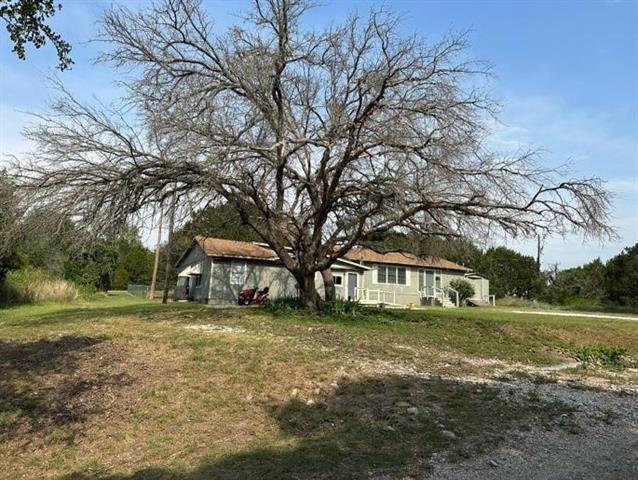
<point>283,305</point>
<point>465,289</point>
<point>336,308</point>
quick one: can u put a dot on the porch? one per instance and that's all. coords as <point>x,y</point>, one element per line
<point>441,296</point>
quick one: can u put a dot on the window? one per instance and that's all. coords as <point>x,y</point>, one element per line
<point>237,273</point>
<point>401,276</point>
<point>392,275</point>
<point>381,274</point>
<point>338,279</point>
<point>197,280</point>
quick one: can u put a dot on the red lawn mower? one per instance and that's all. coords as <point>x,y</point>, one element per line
<point>253,296</point>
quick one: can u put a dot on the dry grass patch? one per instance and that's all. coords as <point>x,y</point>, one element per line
<point>122,389</point>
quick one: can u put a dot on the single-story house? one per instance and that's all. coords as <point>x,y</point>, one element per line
<point>214,270</point>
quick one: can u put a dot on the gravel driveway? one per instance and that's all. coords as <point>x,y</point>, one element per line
<point>605,445</point>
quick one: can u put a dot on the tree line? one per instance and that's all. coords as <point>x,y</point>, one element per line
<point>514,274</point>
<point>33,240</point>
<point>319,139</point>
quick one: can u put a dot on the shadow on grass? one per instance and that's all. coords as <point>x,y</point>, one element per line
<point>388,427</point>
<point>144,311</point>
<point>43,384</point>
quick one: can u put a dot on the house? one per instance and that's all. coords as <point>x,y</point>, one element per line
<point>215,270</point>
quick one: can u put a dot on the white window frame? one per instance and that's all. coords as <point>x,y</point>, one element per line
<point>340,277</point>
<point>237,273</point>
<point>396,275</point>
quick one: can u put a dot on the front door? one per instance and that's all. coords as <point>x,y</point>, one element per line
<point>431,282</point>
<point>352,286</point>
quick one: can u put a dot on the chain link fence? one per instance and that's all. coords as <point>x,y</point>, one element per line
<point>138,290</point>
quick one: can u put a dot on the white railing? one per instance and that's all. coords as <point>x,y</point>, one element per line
<point>447,291</point>
<point>440,294</point>
<point>376,296</point>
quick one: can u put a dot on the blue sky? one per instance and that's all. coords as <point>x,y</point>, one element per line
<point>567,77</point>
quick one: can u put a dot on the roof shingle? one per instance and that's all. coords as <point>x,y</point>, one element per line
<point>217,247</point>
<point>402,258</point>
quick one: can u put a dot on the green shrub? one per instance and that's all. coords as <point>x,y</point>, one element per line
<point>465,289</point>
<point>336,308</point>
<point>341,307</point>
<point>602,355</point>
<point>29,285</point>
<point>283,305</point>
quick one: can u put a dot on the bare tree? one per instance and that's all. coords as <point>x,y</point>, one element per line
<point>10,213</point>
<point>318,139</point>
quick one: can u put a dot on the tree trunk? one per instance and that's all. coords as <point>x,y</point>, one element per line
<point>308,295</point>
<point>330,294</point>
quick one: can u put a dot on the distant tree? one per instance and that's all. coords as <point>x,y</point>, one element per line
<point>219,221</point>
<point>586,282</point>
<point>458,250</point>
<point>134,262</point>
<point>46,240</point>
<point>110,263</point>
<point>9,227</point>
<point>621,277</point>
<point>465,289</point>
<point>318,139</point>
<point>510,273</point>
<point>26,22</point>
<point>93,266</point>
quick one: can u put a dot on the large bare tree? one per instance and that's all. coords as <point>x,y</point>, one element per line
<point>318,139</point>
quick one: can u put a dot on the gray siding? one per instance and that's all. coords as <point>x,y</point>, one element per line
<point>217,286</point>
<point>194,257</point>
<point>409,293</point>
<point>481,288</point>
<point>257,275</point>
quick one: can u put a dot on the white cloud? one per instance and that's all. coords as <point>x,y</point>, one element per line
<point>11,140</point>
<point>600,144</point>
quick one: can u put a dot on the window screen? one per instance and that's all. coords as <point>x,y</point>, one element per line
<point>401,276</point>
<point>381,274</point>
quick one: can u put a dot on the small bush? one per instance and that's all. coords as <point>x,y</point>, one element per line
<point>29,285</point>
<point>465,289</point>
<point>336,308</point>
<point>283,305</point>
<point>602,355</point>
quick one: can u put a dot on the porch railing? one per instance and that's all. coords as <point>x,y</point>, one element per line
<point>376,296</point>
<point>441,294</point>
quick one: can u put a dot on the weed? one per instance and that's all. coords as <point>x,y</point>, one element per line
<point>340,307</point>
<point>31,285</point>
<point>283,305</point>
<point>601,355</point>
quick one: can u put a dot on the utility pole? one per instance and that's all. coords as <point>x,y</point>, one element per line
<point>539,251</point>
<point>169,247</point>
<point>151,293</point>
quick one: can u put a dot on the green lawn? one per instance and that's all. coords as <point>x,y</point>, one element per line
<point>124,388</point>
